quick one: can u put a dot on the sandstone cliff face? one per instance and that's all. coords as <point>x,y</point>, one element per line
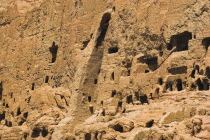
<point>104,69</point>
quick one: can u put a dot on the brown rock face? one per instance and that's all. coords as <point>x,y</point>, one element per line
<point>105,69</point>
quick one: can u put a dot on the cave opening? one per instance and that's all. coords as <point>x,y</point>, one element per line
<point>36,132</point>
<point>146,71</point>
<point>89,99</point>
<point>120,104</point>
<point>193,73</point>
<point>87,136</point>
<point>192,87</point>
<point>180,40</point>
<point>33,86</point>
<point>199,84</point>
<point>112,76</point>
<point>25,115</point>
<point>157,91</point>
<point>53,50</point>
<point>8,123</point>
<point>206,42</point>
<point>113,93</point>
<point>46,79</point>
<point>205,84</point>
<point>95,81</point>
<point>150,123</point>
<point>103,28</point>
<point>137,95</point>
<point>178,70</point>
<point>144,99</point>
<point>129,99</point>
<point>18,111</point>
<point>2,116</point>
<point>179,84</point>
<point>208,72</point>
<point>169,86</point>
<point>44,132</point>
<point>160,81</point>
<point>113,50</point>
<point>118,128</point>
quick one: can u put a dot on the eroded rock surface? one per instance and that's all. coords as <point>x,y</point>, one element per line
<point>105,70</point>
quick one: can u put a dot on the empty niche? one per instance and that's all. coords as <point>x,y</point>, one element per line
<point>113,93</point>
<point>87,136</point>
<point>199,84</point>
<point>179,84</point>
<point>206,42</point>
<point>32,86</point>
<point>144,99</point>
<point>103,28</point>
<point>129,99</point>
<point>53,50</point>
<point>180,41</point>
<point>178,70</point>
<point>46,79</point>
<point>113,50</point>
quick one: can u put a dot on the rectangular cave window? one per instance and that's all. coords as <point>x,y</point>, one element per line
<point>178,70</point>
<point>113,50</point>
